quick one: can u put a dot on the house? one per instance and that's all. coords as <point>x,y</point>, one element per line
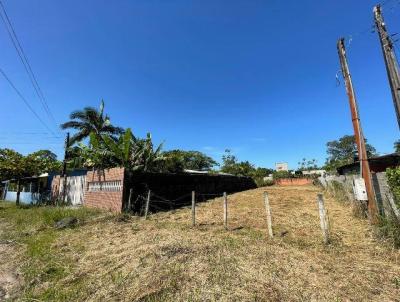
<point>376,164</point>
<point>32,189</point>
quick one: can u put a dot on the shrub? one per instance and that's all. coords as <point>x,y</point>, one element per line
<point>263,183</point>
<point>393,177</point>
<point>282,174</point>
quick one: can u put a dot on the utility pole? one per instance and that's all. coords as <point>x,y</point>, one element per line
<point>64,171</point>
<point>389,55</point>
<point>360,141</point>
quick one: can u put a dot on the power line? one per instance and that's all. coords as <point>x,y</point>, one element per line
<point>26,102</point>
<point>371,29</point>
<point>25,62</point>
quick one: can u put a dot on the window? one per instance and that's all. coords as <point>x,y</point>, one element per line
<point>107,186</point>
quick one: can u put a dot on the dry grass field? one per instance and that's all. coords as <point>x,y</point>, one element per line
<point>110,258</point>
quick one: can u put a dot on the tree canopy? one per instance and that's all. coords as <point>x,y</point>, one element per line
<point>344,150</point>
<point>90,120</point>
<point>179,160</point>
<point>14,165</point>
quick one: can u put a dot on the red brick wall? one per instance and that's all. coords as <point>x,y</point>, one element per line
<point>293,181</point>
<point>103,199</point>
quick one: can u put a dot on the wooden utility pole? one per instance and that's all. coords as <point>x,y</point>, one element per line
<point>391,63</point>
<point>64,171</point>
<point>360,141</point>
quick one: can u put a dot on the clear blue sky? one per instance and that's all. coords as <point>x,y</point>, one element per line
<point>257,77</point>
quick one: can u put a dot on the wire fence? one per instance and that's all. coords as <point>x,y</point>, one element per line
<point>145,204</point>
<point>153,202</point>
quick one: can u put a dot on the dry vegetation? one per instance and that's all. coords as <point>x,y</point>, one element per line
<point>164,258</point>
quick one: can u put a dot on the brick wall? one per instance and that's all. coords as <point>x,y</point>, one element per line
<point>107,200</point>
<point>294,181</point>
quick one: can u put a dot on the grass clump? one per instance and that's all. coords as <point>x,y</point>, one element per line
<point>389,228</point>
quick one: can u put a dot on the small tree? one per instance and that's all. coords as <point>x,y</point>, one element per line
<point>231,165</point>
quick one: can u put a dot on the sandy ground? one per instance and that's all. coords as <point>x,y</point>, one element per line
<point>166,259</point>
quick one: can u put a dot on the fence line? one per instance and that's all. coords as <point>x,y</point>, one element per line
<point>155,204</point>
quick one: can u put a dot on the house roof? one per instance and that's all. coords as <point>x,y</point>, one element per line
<point>377,163</point>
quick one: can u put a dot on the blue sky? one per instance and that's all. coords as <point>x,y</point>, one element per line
<point>257,77</point>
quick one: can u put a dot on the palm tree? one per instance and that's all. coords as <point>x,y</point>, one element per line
<point>90,120</point>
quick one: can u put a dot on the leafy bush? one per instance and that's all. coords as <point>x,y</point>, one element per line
<point>282,174</point>
<point>393,176</point>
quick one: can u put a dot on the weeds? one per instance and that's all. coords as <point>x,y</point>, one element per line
<point>389,228</point>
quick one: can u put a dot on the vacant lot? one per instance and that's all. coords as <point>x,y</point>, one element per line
<point>110,258</point>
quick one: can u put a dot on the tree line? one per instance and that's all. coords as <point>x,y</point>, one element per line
<point>98,144</point>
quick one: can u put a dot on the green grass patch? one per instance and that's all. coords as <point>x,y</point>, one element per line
<point>33,227</point>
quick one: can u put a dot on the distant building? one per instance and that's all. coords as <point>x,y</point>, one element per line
<point>281,167</point>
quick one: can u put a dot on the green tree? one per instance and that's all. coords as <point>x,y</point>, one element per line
<point>179,160</point>
<point>146,157</point>
<point>123,151</point>
<point>342,151</point>
<point>231,165</point>
<point>45,161</point>
<point>90,120</point>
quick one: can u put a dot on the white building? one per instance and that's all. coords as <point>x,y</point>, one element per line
<point>281,167</point>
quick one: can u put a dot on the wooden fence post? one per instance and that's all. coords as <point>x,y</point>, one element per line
<point>225,211</point>
<point>147,205</point>
<point>269,218</point>
<point>130,199</point>
<point>323,218</point>
<point>193,208</point>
